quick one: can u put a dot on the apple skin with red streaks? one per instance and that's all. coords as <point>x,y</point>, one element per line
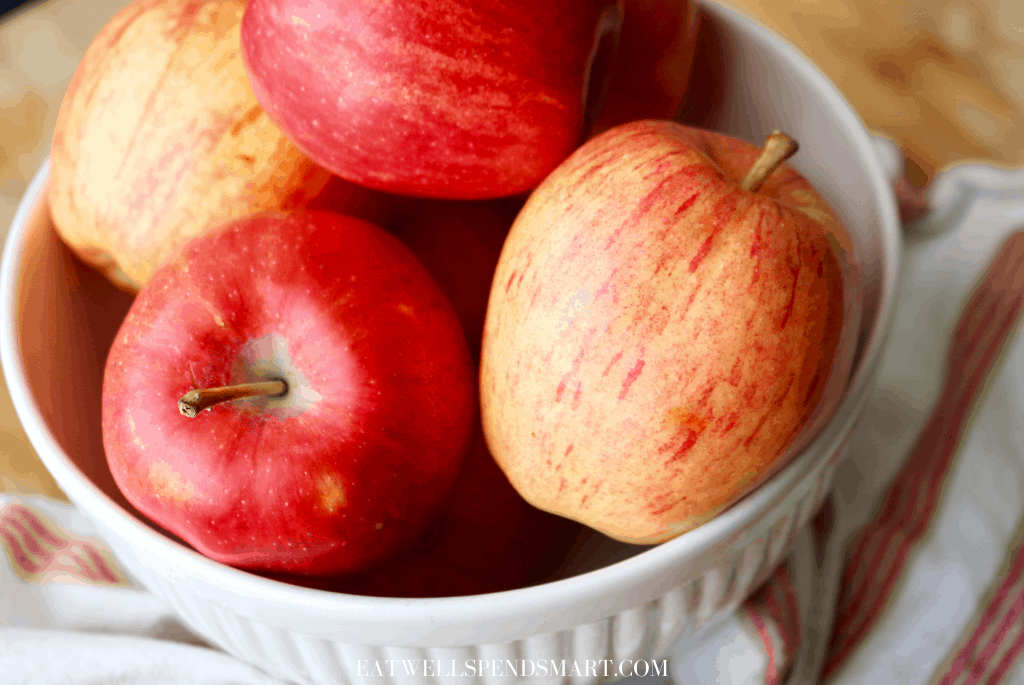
<point>658,340</point>
<point>355,460</point>
<point>435,98</point>
<point>160,137</point>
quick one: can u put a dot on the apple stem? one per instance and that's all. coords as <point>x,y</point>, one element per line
<point>195,401</point>
<point>778,147</point>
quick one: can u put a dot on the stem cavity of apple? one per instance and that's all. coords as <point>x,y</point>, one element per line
<point>778,147</point>
<point>195,401</point>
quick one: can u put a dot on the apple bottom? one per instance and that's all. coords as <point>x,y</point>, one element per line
<point>487,538</point>
<point>477,100</point>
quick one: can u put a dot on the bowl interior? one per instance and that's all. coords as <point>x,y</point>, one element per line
<point>61,315</point>
<point>68,314</point>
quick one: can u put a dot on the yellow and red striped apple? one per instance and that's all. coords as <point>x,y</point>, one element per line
<point>659,338</point>
<point>160,137</point>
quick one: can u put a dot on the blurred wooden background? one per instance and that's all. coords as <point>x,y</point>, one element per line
<point>944,78</point>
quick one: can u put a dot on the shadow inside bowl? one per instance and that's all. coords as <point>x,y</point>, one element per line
<point>69,314</point>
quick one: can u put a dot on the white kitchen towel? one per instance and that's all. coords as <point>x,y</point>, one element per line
<point>946,587</point>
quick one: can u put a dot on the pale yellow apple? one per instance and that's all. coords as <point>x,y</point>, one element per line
<point>160,137</point>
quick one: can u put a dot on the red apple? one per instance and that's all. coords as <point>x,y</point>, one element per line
<point>652,66</point>
<point>661,336</point>
<point>347,466</point>
<point>459,242</point>
<point>704,91</point>
<point>486,539</point>
<point>159,137</point>
<point>453,99</point>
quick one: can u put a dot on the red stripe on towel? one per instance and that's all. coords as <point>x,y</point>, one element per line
<point>41,551</point>
<point>876,557</point>
<point>775,613</point>
<point>1009,657</point>
<point>771,674</point>
<point>997,636</point>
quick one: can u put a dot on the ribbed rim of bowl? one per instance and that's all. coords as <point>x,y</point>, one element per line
<point>536,599</point>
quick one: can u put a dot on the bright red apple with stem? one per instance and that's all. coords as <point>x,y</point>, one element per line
<point>672,318</point>
<point>326,395</point>
<point>453,99</point>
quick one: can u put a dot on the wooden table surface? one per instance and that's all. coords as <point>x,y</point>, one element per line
<point>944,78</point>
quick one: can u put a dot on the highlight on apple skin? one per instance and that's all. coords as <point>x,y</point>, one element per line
<point>659,340</point>
<point>355,459</point>
<point>437,98</point>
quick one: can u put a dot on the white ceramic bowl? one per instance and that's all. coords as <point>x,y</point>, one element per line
<point>57,319</point>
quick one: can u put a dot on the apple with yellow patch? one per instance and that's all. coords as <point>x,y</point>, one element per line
<point>673,315</point>
<point>291,393</point>
<point>160,137</point>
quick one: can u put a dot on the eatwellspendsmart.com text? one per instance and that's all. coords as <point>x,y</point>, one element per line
<point>512,668</point>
